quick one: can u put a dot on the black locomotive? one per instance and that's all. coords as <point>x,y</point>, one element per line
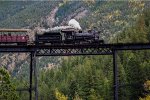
<point>68,36</point>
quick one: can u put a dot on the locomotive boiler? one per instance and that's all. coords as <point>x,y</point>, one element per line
<point>68,36</point>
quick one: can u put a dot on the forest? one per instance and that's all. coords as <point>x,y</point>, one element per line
<point>86,77</point>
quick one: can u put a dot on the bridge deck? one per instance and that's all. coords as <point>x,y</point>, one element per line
<point>62,50</point>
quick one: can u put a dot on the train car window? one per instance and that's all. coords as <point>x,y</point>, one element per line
<point>80,31</point>
<point>9,34</point>
<point>2,33</point>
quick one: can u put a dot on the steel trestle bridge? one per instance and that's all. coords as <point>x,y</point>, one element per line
<point>71,50</point>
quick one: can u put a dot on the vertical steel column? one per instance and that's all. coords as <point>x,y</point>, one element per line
<point>31,71</point>
<point>35,76</point>
<point>115,71</point>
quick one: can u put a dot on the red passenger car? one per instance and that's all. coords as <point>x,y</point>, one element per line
<point>9,38</point>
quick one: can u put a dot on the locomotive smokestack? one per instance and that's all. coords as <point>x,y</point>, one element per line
<point>74,24</point>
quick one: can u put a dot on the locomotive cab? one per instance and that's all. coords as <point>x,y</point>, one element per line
<point>68,36</point>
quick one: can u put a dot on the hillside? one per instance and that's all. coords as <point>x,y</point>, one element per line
<point>113,18</point>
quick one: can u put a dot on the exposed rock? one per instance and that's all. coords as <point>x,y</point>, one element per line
<point>50,19</point>
<point>10,61</point>
<point>79,13</point>
<point>49,66</point>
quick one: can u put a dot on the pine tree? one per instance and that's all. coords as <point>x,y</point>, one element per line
<point>72,89</point>
<point>7,89</point>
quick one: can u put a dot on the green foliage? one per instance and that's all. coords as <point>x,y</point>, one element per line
<point>135,63</point>
<point>146,98</point>
<point>7,89</point>
<point>111,17</point>
<point>60,96</point>
<point>31,15</point>
<point>11,8</point>
<point>79,77</point>
<point>147,89</point>
<point>138,33</point>
<point>72,89</point>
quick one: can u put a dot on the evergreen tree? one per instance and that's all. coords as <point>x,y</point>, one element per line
<point>7,89</point>
<point>72,89</point>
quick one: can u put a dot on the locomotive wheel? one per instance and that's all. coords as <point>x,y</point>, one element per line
<point>101,41</point>
<point>77,42</point>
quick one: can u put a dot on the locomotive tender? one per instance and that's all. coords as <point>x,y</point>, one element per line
<point>52,37</point>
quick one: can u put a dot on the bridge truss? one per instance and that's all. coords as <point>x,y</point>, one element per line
<point>71,50</point>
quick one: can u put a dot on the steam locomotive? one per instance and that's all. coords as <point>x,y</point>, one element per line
<point>64,36</point>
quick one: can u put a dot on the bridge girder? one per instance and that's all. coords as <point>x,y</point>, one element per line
<point>68,50</point>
